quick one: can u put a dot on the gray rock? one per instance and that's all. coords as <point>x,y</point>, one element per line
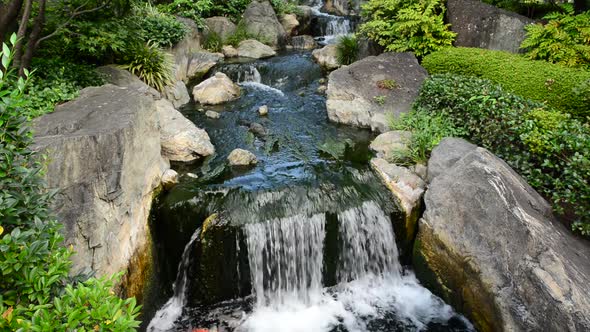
<point>304,42</point>
<point>368,47</point>
<point>326,57</point>
<point>337,7</point>
<point>354,97</point>
<point>194,65</point>
<point>229,51</point>
<point>258,130</point>
<point>388,144</point>
<point>261,21</point>
<point>104,159</point>
<point>241,157</point>
<point>488,245</point>
<point>446,154</point>
<point>290,24</point>
<point>221,26</point>
<point>122,78</point>
<point>212,114</point>
<point>216,90</point>
<point>321,89</point>
<point>251,48</point>
<point>263,110</point>
<point>380,122</point>
<point>181,139</point>
<point>304,16</point>
<point>169,179</point>
<point>478,24</point>
<point>407,189</point>
<point>177,94</point>
<point>184,51</point>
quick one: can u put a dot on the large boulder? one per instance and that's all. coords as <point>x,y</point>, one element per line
<point>181,139</point>
<point>290,24</point>
<point>216,90</point>
<point>361,93</point>
<point>326,57</point>
<point>488,245</point>
<point>304,17</point>
<point>123,78</point>
<point>104,159</point>
<point>198,65</point>
<point>220,26</point>
<point>478,24</point>
<point>251,48</point>
<point>177,94</point>
<point>305,42</point>
<point>261,21</point>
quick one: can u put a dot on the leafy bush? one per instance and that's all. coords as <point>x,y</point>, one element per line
<point>400,25</point>
<point>530,8</point>
<point>547,147</point>
<point>283,7</point>
<point>347,50</point>
<point>560,87</point>
<point>427,131</point>
<point>213,42</point>
<point>162,29</point>
<point>34,290</point>
<point>565,39</point>
<point>229,8</point>
<point>151,64</point>
<point>239,35</point>
<point>196,10</point>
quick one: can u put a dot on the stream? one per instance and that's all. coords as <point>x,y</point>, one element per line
<point>302,241</point>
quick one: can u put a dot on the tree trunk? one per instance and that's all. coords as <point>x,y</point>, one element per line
<point>8,16</point>
<point>20,36</point>
<point>33,38</point>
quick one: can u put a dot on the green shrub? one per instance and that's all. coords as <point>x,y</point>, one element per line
<point>35,294</point>
<point>564,39</point>
<point>402,26</point>
<point>213,42</point>
<point>427,129</point>
<point>547,147</point>
<point>560,87</point>
<point>283,7</point>
<point>162,29</point>
<point>229,8</point>
<point>150,64</point>
<point>347,50</point>
<point>239,35</point>
<point>196,10</point>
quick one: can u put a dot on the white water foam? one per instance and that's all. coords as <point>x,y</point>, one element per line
<point>371,282</point>
<point>165,317</point>
<point>263,87</point>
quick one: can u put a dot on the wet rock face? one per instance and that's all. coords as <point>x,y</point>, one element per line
<point>478,24</point>
<point>360,94</point>
<point>216,90</point>
<point>104,157</point>
<point>261,21</point>
<point>488,244</point>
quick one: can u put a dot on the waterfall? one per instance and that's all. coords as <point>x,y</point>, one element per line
<point>165,317</point>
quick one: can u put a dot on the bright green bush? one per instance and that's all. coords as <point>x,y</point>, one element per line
<point>151,64</point>
<point>564,39</point>
<point>347,50</point>
<point>35,294</point>
<point>560,87</point>
<point>162,29</point>
<point>196,10</point>
<point>547,147</point>
<point>283,7</point>
<point>402,26</point>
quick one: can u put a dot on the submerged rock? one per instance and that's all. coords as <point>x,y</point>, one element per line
<point>241,157</point>
<point>261,21</point>
<point>212,114</point>
<point>251,48</point>
<point>326,57</point>
<point>257,129</point>
<point>181,139</point>
<point>488,245</point>
<point>104,159</point>
<point>216,90</point>
<point>360,94</point>
<point>481,25</point>
<point>263,110</point>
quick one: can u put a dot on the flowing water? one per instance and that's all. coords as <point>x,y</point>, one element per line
<point>303,241</point>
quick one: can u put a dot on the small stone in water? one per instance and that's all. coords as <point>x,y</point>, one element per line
<point>201,110</point>
<point>322,81</point>
<point>321,89</point>
<point>192,175</point>
<point>301,94</point>
<point>263,110</point>
<point>212,114</point>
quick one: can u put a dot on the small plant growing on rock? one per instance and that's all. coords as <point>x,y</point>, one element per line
<point>387,84</point>
<point>380,100</point>
<point>151,64</point>
<point>347,50</point>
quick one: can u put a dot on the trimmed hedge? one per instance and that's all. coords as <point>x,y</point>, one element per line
<point>549,148</point>
<point>566,89</point>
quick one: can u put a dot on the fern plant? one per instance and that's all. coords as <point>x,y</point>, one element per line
<point>565,39</point>
<point>401,26</point>
<point>347,50</point>
<point>151,64</point>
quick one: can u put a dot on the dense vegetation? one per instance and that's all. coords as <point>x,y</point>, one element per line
<point>548,147</point>
<point>566,89</point>
<point>407,26</point>
<point>36,293</point>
